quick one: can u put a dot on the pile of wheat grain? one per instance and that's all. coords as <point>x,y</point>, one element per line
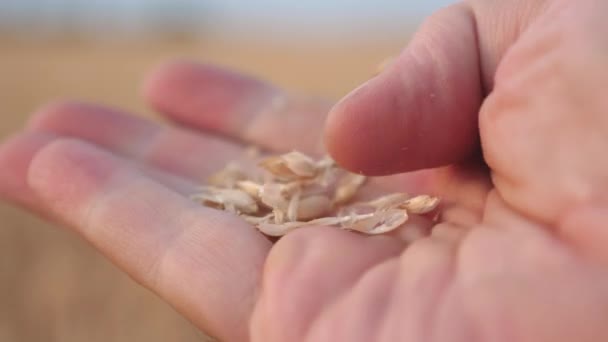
<point>292,191</point>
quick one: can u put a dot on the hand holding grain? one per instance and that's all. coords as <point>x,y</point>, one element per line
<point>504,99</point>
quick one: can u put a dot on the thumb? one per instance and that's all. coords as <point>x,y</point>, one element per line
<point>422,111</point>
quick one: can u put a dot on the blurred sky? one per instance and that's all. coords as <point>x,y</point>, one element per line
<point>278,18</point>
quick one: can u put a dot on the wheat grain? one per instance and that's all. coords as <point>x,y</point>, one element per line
<point>347,188</point>
<point>422,204</point>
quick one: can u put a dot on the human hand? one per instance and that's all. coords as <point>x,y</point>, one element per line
<point>522,82</point>
<point>495,268</point>
<point>122,183</point>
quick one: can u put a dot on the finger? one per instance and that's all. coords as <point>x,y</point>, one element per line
<point>306,271</point>
<point>204,262</point>
<point>238,106</point>
<point>419,113</point>
<point>17,153</point>
<point>173,150</point>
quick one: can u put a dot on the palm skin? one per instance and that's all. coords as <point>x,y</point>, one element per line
<point>519,252</point>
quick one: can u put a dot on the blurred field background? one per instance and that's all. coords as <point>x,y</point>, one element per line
<point>53,287</point>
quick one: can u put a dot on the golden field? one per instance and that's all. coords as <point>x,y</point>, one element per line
<point>53,287</point>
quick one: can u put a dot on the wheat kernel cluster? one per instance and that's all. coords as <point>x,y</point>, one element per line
<point>291,191</point>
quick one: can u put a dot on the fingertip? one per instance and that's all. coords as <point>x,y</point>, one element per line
<point>157,84</point>
<point>203,95</point>
<point>421,112</point>
<point>377,129</point>
<point>352,134</point>
<point>16,154</point>
<point>65,172</point>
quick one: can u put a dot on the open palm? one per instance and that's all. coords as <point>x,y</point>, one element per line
<point>518,253</point>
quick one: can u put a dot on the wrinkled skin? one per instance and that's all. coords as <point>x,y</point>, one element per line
<point>520,252</point>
